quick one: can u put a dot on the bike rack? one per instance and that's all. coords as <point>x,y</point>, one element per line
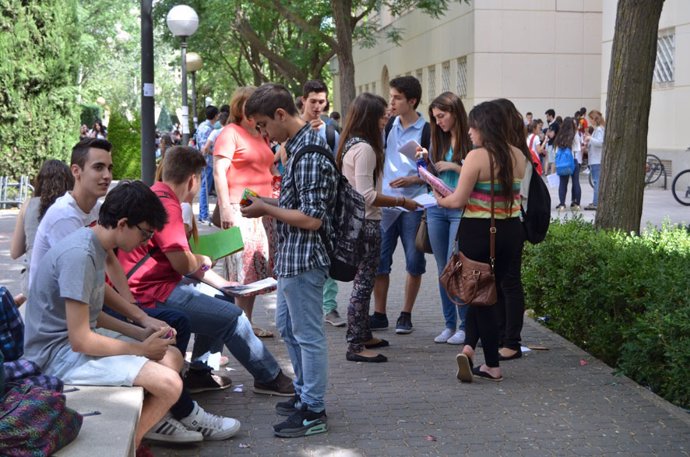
<point>23,187</point>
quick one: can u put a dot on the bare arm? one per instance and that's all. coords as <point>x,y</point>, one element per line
<point>18,244</point>
<point>468,178</point>
<point>105,320</point>
<point>117,276</point>
<point>186,262</point>
<point>220,169</point>
<point>293,217</point>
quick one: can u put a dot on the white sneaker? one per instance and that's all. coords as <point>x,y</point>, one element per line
<point>333,318</point>
<point>443,337</point>
<point>209,425</point>
<point>458,338</point>
<point>172,431</point>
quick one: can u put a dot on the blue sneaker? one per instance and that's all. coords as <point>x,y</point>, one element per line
<point>302,422</point>
<point>404,324</point>
<point>378,321</point>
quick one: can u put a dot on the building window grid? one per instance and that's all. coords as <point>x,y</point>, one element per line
<point>373,87</point>
<point>462,77</point>
<point>665,53</point>
<point>431,84</point>
<point>366,88</point>
<point>445,77</point>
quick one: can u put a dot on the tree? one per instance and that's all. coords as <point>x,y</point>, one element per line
<point>629,97</point>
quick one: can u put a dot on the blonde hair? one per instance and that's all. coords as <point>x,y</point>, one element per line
<point>600,121</point>
<point>237,101</point>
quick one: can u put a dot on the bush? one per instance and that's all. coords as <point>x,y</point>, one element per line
<point>623,298</point>
<point>126,139</point>
<point>90,114</point>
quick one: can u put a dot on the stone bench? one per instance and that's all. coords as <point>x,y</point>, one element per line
<point>110,433</point>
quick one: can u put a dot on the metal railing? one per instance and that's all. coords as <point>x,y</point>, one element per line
<point>14,193</point>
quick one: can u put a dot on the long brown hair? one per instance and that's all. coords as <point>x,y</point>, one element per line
<point>489,119</point>
<point>363,121</point>
<point>449,103</point>
<point>53,180</point>
<point>514,125</point>
<point>566,133</point>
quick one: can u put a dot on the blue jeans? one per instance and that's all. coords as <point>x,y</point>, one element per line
<point>206,186</point>
<point>215,318</point>
<point>563,187</point>
<point>299,319</point>
<point>595,170</point>
<point>405,227</point>
<point>443,224</point>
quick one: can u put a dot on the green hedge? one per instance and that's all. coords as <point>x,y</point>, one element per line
<point>90,114</point>
<point>126,139</point>
<point>623,298</point>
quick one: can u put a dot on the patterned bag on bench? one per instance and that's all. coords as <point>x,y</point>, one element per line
<point>36,422</point>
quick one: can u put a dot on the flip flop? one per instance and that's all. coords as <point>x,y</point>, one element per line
<point>262,333</point>
<point>464,373</point>
<point>484,375</point>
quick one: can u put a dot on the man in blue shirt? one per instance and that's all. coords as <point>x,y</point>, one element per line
<point>400,178</point>
<point>202,134</point>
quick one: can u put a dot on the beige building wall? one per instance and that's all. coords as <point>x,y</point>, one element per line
<point>539,53</point>
<point>669,117</point>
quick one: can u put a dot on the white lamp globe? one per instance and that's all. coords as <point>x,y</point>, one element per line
<point>182,21</point>
<point>194,62</point>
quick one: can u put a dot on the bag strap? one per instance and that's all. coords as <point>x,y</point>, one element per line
<point>142,261</point>
<point>492,229</point>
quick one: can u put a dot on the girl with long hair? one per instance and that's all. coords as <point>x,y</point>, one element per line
<point>450,144</point>
<point>568,137</point>
<point>596,144</point>
<point>494,152</point>
<point>53,180</point>
<point>360,157</point>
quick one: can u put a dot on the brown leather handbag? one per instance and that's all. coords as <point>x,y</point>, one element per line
<point>467,281</point>
<point>421,241</point>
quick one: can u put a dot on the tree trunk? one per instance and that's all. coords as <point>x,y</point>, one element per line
<point>344,28</point>
<point>629,97</point>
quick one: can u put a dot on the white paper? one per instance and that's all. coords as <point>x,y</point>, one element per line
<point>409,150</point>
<point>426,200</point>
<point>553,180</point>
<point>149,90</point>
<point>247,289</point>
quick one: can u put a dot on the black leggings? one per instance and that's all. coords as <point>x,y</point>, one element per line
<point>483,321</point>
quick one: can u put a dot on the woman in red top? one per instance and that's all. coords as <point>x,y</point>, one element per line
<point>243,159</point>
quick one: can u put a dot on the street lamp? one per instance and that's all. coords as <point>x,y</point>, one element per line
<point>194,64</point>
<point>183,22</point>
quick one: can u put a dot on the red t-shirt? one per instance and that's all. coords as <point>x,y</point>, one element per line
<point>156,278</point>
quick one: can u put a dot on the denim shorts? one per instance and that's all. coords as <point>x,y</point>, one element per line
<point>405,227</point>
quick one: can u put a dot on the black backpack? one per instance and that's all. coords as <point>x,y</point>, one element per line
<point>425,139</point>
<point>344,245</point>
<point>330,137</point>
<point>537,218</point>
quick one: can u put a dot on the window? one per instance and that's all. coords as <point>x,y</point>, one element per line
<point>373,87</point>
<point>462,77</point>
<point>432,82</point>
<point>366,88</point>
<point>445,77</point>
<point>665,53</point>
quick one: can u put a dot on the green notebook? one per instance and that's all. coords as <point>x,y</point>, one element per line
<point>218,244</point>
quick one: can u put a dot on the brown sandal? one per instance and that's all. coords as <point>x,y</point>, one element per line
<point>262,333</point>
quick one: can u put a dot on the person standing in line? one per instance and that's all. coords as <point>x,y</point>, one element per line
<point>450,144</point>
<point>596,145</point>
<point>401,179</point>
<point>569,137</point>
<point>307,198</point>
<point>201,136</point>
<point>361,158</point>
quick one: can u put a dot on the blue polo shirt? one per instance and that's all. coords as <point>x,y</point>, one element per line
<point>396,164</point>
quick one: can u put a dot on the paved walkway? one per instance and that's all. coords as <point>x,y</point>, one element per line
<point>558,402</point>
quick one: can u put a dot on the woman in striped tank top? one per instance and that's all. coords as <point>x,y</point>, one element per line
<point>488,133</point>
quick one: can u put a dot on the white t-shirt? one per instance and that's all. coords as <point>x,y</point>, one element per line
<point>577,147</point>
<point>535,142</point>
<point>187,213</point>
<point>62,218</point>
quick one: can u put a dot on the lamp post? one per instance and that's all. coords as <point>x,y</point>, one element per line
<point>194,64</point>
<point>148,117</point>
<point>183,21</point>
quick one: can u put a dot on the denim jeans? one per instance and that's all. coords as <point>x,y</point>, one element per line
<point>206,187</point>
<point>299,319</point>
<point>595,170</point>
<point>563,187</point>
<point>442,225</point>
<point>405,227</point>
<point>215,318</point>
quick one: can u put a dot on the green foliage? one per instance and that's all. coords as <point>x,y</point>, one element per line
<point>90,114</point>
<point>624,298</point>
<point>39,118</point>
<point>126,139</point>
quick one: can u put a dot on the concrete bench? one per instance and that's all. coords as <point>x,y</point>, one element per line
<point>110,433</point>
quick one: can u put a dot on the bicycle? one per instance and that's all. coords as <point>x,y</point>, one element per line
<point>654,169</point>
<point>681,187</point>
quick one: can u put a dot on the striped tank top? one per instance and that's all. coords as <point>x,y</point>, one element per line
<point>479,204</point>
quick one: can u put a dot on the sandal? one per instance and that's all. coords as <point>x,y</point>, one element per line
<point>516,355</point>
<point>476,371</point>
<point>465,369</point>
<point>262,333</point>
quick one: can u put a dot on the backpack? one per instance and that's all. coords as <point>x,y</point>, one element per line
<point>11,327</point>
<point>330,137</point>
<point>537,217</point>
<point>425,139</point>
<point>565,162</point>
<point>344,246</point>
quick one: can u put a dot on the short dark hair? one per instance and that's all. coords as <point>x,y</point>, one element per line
<point>135,201</point>
<point>267,99</point>
<point>335,116</point>
<point>550,112</point>
<point>314,85</point>
<point>225,108</point>
<point>211,112</point>
<point>529,113</point>
<point>81,150</point>
<point>181,162</point>
<point>409,86</point>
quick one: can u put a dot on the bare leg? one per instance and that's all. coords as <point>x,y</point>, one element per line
<point>381,284</point>
<point>412,285</point>
<point>246,304</point>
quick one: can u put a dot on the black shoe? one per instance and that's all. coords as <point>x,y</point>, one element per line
<point>205,380</point>
<point>281,385</point>
<point>404,324</point>
<point>381,344</point>
<point>378,321</point>
<point>289,407</point>
<point>354,357</point>
<point>517,355</point>
<point>302,422</point>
